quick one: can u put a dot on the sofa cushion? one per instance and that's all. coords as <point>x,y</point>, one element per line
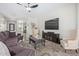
<point>17,49</point>
<point>2,37</point>
<point>6,34</point>
<point>11,42</point>
<point>20,51</point>
<point>26,52</point>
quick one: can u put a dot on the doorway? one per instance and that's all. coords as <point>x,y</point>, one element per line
<point>11,27</point>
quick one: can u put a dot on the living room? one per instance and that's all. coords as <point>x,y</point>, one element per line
<point>18,20</point>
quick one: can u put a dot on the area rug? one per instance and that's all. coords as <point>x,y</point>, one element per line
<point>50,49</point>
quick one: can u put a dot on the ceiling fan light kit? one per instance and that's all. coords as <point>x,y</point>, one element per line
<point>28,6</point>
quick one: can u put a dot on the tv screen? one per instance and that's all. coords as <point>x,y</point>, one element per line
<point>52,24</point>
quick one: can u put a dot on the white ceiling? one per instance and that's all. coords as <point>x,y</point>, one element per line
<point>13,10</point>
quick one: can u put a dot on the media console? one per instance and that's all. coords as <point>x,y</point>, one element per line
<point>51,36</point>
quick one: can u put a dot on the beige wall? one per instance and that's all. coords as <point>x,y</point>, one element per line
<point>65,12</point>
<point>67,19</point>
<point>77,37</point>
<point>3,23</point>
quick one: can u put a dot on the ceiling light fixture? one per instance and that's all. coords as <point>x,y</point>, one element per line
<point>29,6</point>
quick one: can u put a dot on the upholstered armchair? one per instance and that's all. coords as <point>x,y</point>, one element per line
<point>69,41</point>
<point>69,44</point>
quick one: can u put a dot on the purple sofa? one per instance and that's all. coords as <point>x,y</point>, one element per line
<point>13,46</point>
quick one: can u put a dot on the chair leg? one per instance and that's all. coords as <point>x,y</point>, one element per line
<point>29,42</point>
<point>65,51</point>
<point>76,51</point>
<point>35,45</point>
<point>43,42</point>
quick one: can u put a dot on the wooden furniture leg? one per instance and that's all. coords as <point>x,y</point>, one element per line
<point>35,45</point>
<point>76,51</point>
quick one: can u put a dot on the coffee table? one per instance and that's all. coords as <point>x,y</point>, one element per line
<point>36,41</point>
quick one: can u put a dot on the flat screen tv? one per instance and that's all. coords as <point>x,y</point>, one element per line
<point>52,24</point>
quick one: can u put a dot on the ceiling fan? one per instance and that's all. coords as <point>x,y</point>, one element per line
<point>29,6</point>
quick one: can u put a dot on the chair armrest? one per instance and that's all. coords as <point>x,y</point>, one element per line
<point>64,43</point>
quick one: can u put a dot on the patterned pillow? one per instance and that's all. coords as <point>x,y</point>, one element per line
<point>4,50</point>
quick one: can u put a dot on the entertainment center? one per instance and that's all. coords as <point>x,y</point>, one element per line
<point>52,24</point>
<point>51,36</point>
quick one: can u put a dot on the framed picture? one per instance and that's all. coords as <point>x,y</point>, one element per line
<point>11,27</point>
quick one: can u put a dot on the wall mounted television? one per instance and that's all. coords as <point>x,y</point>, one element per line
<point>52,24</point>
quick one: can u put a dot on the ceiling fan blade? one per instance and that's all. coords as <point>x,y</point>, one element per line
<point>19,4</point>
<point>34,6</point>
